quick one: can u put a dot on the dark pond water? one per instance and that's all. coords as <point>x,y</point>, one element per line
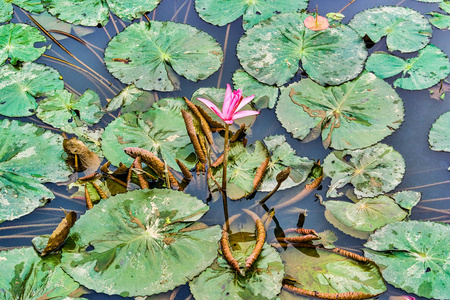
<point>426,170</point>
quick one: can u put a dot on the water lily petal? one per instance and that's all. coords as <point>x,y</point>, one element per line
<point>212,107</point>
<point>227,100</point>
<point>316,24</point>
<point>245,113</point>
<point>245,101</point>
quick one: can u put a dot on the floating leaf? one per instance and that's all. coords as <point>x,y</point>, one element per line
<point>17,43</point>
<point>421,72</point>
<point>406,30</point>
<point>407,199</point>
<point>328,272</point>
<point>271,51</point>
<point>261,281</point>
<point>372,171</point>
<point>6,8</point>
<point>160,130</point>
<point>90,137</point>
<point>29,156</point>
<point>223,12</point>
<point>354,115</point>
<point>284,156</point>
<point>445,6</point>
<point>439,20</point>
<point>131,99</point>
<point>19,87</point>
<point>61,108</point>
<point>439,136</point>
<point>140,234</point>
<point>79,157</point>
<point>25,275</point>
<point>60,234</point>
<point>413,256</point>
<point>265,95</point>
<point>158,50</point>
<point>243,163</point>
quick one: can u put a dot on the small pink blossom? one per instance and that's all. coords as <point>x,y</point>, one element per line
<point>316,23</point>
<point>232,103</point>
<point>403,297</point>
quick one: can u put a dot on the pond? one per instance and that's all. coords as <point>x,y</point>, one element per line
<point>426,170</point>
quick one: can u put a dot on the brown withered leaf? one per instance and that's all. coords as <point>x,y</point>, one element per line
<point>80,157</point>
<point>60,234</point>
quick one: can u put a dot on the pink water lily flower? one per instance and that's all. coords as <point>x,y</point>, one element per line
<point>232,103</point>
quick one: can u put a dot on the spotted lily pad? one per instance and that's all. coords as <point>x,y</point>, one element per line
<point>6,8</point>
<point>407,199</point>
<point>94,12</point>
<point>160,130</point>
<point>271,51</point>
<point>19,87</point>
<point>157,50</point>
<point>354,115</point>
<point>143,243</point>
<point>25,275</point>
<point>17,43</point>
<point>29,156</point>
<point>413,256</point>
<point>283,156</point>
<point>439,137</point>
<point>243,162</point>
<point>222,12</point>
<point>372,171</point>
<point>406,30</point>
<point>421,72</point>
<point>261,281</point>
<point>131,99</point>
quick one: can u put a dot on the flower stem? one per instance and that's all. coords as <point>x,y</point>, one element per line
<point>225,159</point>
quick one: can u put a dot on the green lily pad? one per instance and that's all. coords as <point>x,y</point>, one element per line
<point>445,6</point>
<point>19,87</point>
<point>439,20</point>
<point>327,272</point>
<point>367,214</point>
<point>157,50</point>
<point>143,243</point>
<point>61,108</point>
<point>261,281</point>
<point>25,275</point>
<point>407,199</point>
<point>160,130</point>
<point>6,8</point>
<point>271,51</point>
<point>94,12</point>
<point>243,163</point>
<point>439,136</point>
<point>406,30</point>
<point>17,43</point>
<point>354,115</point>
<point>131,99</point>
<point>222,12</point>
<point>372,171</point>
<point>283,156</point>
<point>413,256</point>
<point>29,156</point>
<point>265,95</point>
<point>421,72</point>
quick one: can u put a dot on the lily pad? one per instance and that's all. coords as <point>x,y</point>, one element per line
<point>439,136</point>
<point>271,51</point>
<point>262,281</point>
<point>160,130</point>
<point>222,12</point>
<point>94,12</point>
<point>283,156</point>
<point>372,171</point>
<point>421,72</point>
<point>406,30</point>
<point>327,272</point>
<point>6,8</point>
<point>17,43</point>
<point>157,50</point>
<point>131,99</point>
<point>445,6</point>
<point>29,156</point>
<point>413,256</point>
<point>407,199</point>
<point>20,87</point>
<point>439,20</point>
<point>143,243</point>
<point>25,275</point>
<point>61,108</point>
<point>243,162</point>
<point>265,95</point>
<point>354,115</point>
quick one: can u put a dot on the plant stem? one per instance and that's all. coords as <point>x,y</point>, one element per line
<point>225,159</point>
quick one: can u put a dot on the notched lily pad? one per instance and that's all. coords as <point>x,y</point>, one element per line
<point>271,51</point>
<point>131,99</point>
<point>143,234</point>
<point>354,115</point>
<point>158,50</point>
<point>372,171</point>
<point>413,256</point>
<point>406,30</point>
<point>418,73</point>
<point>17,43</point>
<point>29,156</point>
<point>6,8</point>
